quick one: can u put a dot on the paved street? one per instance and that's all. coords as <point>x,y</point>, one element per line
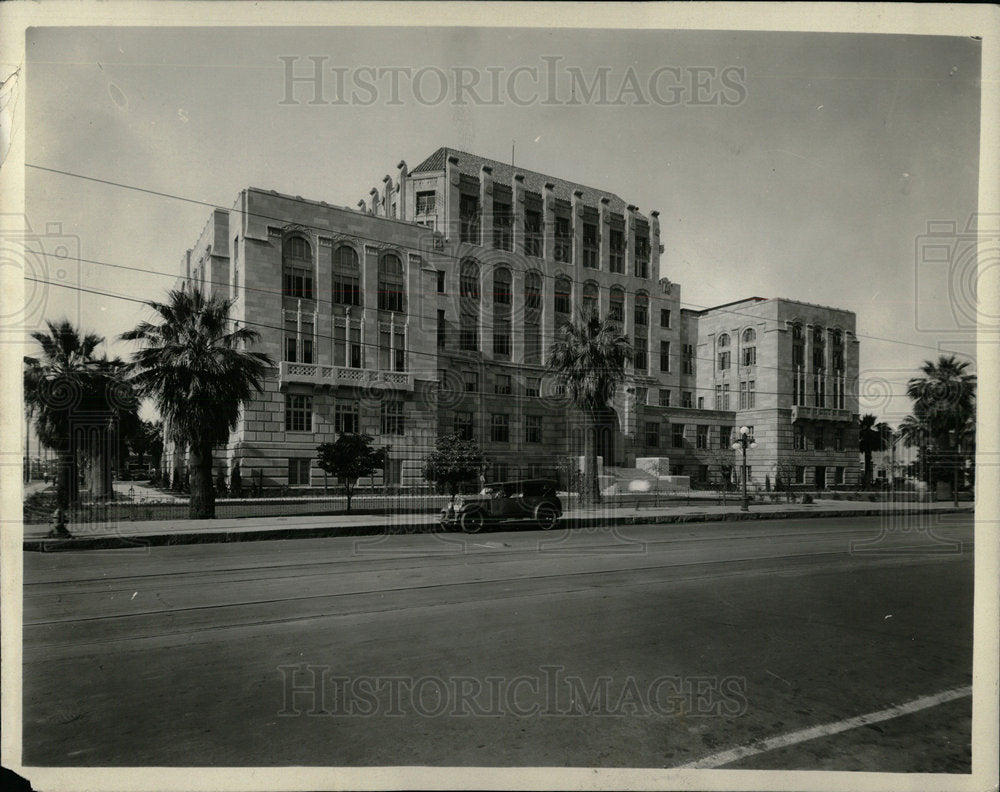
<point>643,646</point>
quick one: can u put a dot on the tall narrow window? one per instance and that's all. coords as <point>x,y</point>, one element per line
<point>501,286</point>
<point>749,347</point>
<point>297,269</point>
<point>641,256</point>
<point>688,361</point>
<point>664,356</point>
<point>590,300</point>
<point>665,317</point>
<point>346,417</point>
<point>399,350</point>
<point>346,276</point>
<point>501,336</point>
<point>442,330</point>
<point>468,214</point>
<point>641,309</point>
<point>616,250</point>
<point>590,246</point>
<point>533,233</point>
<point>563,289</point>
<point>563,240</point>
<point>502,223</point>
<point>616,310</point>
<point>640,353</point>
<point>390,283</point>
<point>723,347</point>
<point>469,306</point>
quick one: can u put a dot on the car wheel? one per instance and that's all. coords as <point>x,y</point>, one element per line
<point>546,517</point>
<point>472,521</point>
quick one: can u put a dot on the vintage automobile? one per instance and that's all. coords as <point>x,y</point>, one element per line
<point>528,499</point>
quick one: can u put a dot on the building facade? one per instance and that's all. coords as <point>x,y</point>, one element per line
<point>431,307</point>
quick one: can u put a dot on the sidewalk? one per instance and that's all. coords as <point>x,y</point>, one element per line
<point>169,532</point>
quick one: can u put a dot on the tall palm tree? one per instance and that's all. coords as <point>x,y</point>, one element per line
<point>943,398</point>
<point>873,435</point>
<point>76,400</point>
<point>194,367</point>
<point>589,358</point>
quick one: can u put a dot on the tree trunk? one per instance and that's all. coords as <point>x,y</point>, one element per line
<point>591,489</point>
<point>868,469</point>
<point>202,503</point>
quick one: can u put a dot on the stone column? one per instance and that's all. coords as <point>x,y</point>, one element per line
<point>517,207</point>
<point>630,240</point>
<point>576,228</point>
<point>604,234</point>
<point>549,222</point>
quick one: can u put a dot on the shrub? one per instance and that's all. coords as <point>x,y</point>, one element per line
<point>807,498</point>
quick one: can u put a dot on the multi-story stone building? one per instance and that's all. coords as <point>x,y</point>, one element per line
<point>431,307</point>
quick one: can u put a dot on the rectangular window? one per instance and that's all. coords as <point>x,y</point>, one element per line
<point>590,246</point>
<point>751,394</point>
<point>652,434</point>
<point>426,202</point>
<point>819,390</point>
<point>800,474</point>
<point>298,413</point>
<point>500,428</point>
<point>664,356</point>
<point>561,305</point>
<point>703,473</point>
<point>688,359</point>
<point>346,289</point>
<point>297,283</point>
<point>532,233</point>
<point>356,350</point>
<point>640,395</point>
<point>399,351</point>
<point>616,250</point>
<point>392,417</point>
<point>701,437</point>
<point>718,397</point>
<point>502,222</point>
<point>532,429</point>
<point>686,399</point>
<point>664,397</point>
<point>502,385</point>
<point>819,441</point>
<point>840,478</point>
<point>384,349</point>
<point>701,402</point>
<point>641,314</point>
<point>640,356</point>
<point>468,214</point>
<point>532,343</point>
<point>442,330</point>
<point>298,472</point>
<point>564,240</point>
<point>471,380</point>
<point>743,395</point>
<point>468,332</point>
<point>724,360</point>
<point>725,436</point>
<point>838,360</point>
<point>501,337</point>
<point>440,282</point>
<point>750,356</point>
<point>532,386</point>
<point>838,440</point>
<point>677,435</point>
<point>664,317</point>
<point>641,256</point>
<point>345,417</point>
<point>464,426</point>
<point>799,438</point>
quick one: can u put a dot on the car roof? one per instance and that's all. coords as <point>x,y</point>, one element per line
<point>517,482</point>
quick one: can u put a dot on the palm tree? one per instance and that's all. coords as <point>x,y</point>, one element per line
<point>943,398</point>
<point>873,435</point>
<point>76,401</point>
<point>589,358</point>
<point>193,366</point>
<point>944,405</point>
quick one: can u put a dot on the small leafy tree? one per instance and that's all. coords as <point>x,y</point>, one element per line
<point>348,458</point>
<point>453,461</point>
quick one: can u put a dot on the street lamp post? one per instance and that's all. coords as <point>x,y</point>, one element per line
<point>742,443</point>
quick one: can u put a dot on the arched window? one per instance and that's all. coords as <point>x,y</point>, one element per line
<point>501,286</point>
<point>346,276</point>
<point>749,347</point>
<point>723,340</point>
<point>590,300</point>
<point>469,279</point>
<point>390,283</point>
<point>616,310</point>
<point>533,291</point>
<point>563,292</point>
<point>296,268</point>
<point>641,309</point>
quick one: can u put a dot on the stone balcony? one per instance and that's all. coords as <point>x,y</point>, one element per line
<point>802,413</point>
<point>341,376</point>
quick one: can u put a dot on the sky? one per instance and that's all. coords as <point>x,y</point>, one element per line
<point>797,165</point>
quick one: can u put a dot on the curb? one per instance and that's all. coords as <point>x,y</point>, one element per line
<point>217,537</point>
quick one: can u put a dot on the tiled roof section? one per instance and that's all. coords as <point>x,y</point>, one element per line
<point>533,181</point>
